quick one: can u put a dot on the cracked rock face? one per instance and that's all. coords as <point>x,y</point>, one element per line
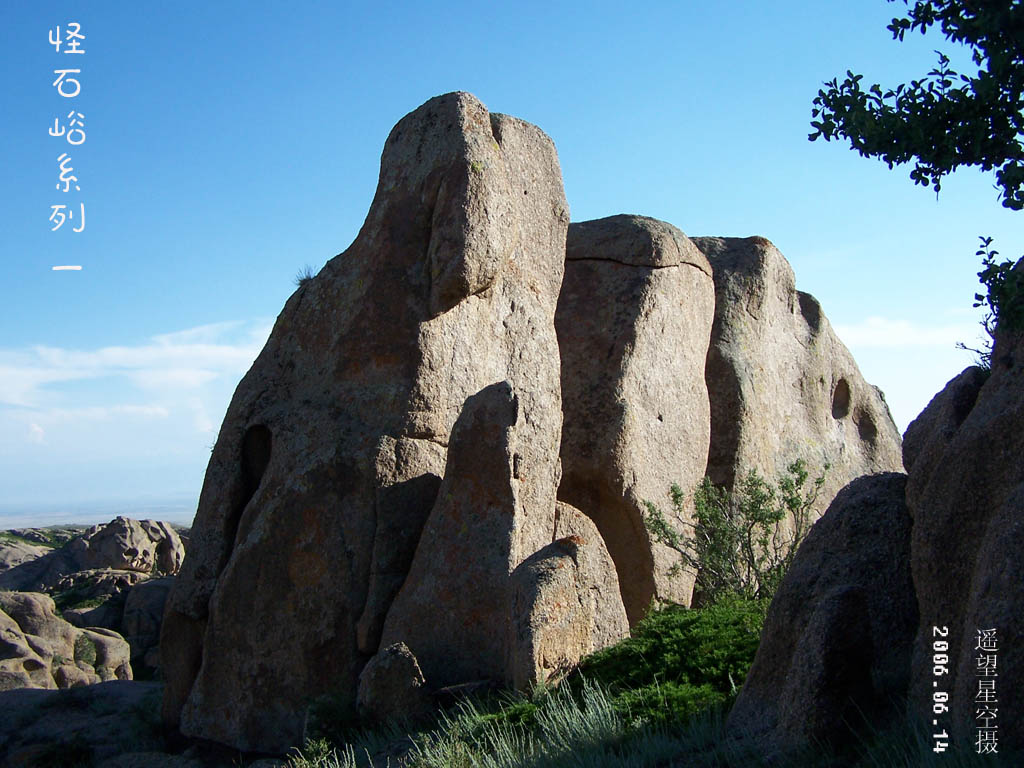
<point>331,453</point>
<point>634,318</point>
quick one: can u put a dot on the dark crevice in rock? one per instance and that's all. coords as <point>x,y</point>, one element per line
<point>726,401</point>
<point>256,446</point>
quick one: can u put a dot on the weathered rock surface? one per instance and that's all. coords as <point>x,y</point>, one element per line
<point>134,609</point>
<point>329,458</point>
<point>782,385</point>
<point>140,622</point>
<point>565,603</point>
<point>140,547</point>
<point>966,495</point>
<point>634,320</point>
<point>14,552</point>
<point>53,536</point>
<point>82,726</point>
<point>837,642</point>
<point>392,686</point>
<point>38,649</point>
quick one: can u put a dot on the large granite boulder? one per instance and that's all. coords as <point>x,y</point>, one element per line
<point>138,548</point>
<point>966,496</point>
<point>836,645</point>
<point>782,385</point>
<point>565,603</point>
<point>331,454</point>
<point>38,649</point>
<point>634,319</point>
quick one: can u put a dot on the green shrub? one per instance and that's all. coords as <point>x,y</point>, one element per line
<point>680,661</point>
<point>741,544</point>
<point>85,650</point>
<point>78,597</point>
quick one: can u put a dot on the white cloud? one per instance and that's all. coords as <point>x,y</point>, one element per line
<point>167,394</point>
<point>175,362</point>
<point>36,434</point>
<point>878,331</point>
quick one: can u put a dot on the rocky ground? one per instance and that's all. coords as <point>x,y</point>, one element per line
<point>80,613</point>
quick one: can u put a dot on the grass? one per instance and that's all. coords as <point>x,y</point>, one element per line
<point>679,662</point>
<point>50,542</point>
<point>304,276</point>
<point>78,597</point>
<point>588,731</point>
<point>658,699</point>
<point>639,703</point>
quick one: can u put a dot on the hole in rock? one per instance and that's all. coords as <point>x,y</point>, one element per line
<point>841,400</point>
<point>866,427</point>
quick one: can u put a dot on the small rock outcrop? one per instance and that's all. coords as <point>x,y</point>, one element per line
<point>634,319</point>
<point>782,385</point>
<point>140,623</point>
<point>392,687</point>
<point>331,454</point>
<point>837,642</point>
<point>38,649</point>
<point>565,603</point>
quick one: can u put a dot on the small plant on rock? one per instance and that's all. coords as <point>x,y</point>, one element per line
<point>743,541</point>
<point>304,276</point>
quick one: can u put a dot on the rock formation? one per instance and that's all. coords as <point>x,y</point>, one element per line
<point>965,493</point>
<point>38,649</point>
<point>836,645</point>
<point>330,456</point>
<point>634,318</point>
<point>14,552</point>
<point>470,545</point>
<point>782,385</point>
<point>108,725</point>
<point>134,548</point>
<point>897,564</point>
<point>386,474</point>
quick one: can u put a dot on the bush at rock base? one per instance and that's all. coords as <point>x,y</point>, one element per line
<point>743,541</point>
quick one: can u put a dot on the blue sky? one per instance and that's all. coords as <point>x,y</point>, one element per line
<point>230,144</point>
